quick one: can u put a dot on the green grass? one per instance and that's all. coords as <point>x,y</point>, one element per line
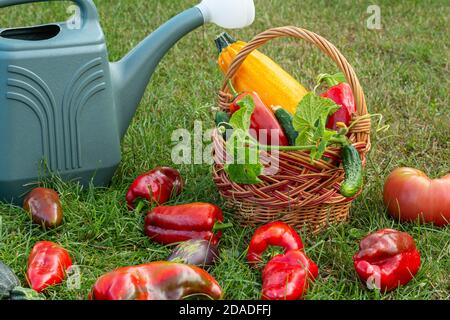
<point>403,69</point>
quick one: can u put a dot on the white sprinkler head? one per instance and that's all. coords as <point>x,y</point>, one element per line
<point>229,14</point>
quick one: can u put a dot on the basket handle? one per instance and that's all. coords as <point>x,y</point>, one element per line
<point>324,45</point>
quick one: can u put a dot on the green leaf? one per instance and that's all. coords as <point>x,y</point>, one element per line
<point>310,121</point>
<point>244,173</point>
<point>245,166</point>
<point>310,110</point>
<point>326,137</point>
<point>241,118</point>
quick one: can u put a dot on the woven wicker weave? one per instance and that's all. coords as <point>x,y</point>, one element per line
<point>301,193</point>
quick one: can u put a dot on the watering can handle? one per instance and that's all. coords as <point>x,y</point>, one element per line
<point>87,7</point>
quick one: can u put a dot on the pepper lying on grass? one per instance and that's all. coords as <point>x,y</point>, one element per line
<point>172,224</point>
<point>157,185</point>
<point>47,265</point>
<point>387,259</point>
<point>286,276</point>
<point>156,281</point>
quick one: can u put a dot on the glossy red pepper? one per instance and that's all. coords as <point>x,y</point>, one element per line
<point>171,224</point>
<point>47,265</point>
<point>276,233</point>
<point>264,126</point>
<point>156,185</point>
<point>387,259</point>
<point>288,276</point>
<point>159,280</point>
<point>341,93</point>
<point>44,207</point>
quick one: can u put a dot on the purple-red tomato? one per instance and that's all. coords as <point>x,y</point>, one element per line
<point>44,207</point>
<point>409,194</point>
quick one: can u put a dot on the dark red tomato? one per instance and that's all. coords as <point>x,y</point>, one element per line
<point>44,207</point>
<point>410,194</point>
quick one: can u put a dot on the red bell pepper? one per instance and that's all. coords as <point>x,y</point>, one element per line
<point>47,265</point>
<point>276,233</point>
<point>387,259</point>
<point>287,276</point>
<point>156,185</point>
<point>198,220</point>
<point>262,119</point>
<point>341,93</point>
<point>159,280</point>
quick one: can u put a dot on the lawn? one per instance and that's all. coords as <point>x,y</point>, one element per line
<point>403,69</point>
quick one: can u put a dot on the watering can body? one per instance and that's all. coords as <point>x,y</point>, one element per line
<point>64,107</point>
<point>57,110</point>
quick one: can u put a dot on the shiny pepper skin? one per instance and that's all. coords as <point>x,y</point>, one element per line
<point>157,185</point>
<point>47,265</point>
<point>341,93</point>
<point>287,276</point>
<point>387,259</point>
<point>262,119</point>
<point>172,224</point>
<point>44,207</point>
<point>276,233</point>
<point>159,280</point>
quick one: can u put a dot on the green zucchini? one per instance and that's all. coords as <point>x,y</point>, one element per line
<point>8,281</point>
<point>222,119</point>
<point>10,288</point>
<point>285,120</point>
<point>353,171</point>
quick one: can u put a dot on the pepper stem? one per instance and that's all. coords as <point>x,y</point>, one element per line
<point>331,79</point>
<point>221,226</point>
<point>141,204</point>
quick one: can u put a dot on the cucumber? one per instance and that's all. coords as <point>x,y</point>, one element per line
<point>285,120</point>
<point>222,119</point>
<point>353,171</point>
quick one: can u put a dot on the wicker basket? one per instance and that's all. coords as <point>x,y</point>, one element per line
<point>303,194</point>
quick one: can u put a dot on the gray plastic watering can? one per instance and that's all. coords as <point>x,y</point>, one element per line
<point>64,107</point>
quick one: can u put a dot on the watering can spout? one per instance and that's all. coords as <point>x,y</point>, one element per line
<point>131,75</point>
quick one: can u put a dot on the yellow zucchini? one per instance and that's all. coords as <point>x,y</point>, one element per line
<point>261,74</point>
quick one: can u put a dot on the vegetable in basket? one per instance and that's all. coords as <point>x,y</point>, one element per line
<point>310,123</point>
<point>258,73</point>
<point>285,120</point>
<point>276,233</point>
<point>264,126</point>
<point>10,288</point>
<point>172,224</point>
<point>387,259</point>
<point>410,195</point>
<point>341,93</point>
<point>44,207</point>
<point>159,280</point>
<point>47,265</point>
<point>156,185</point>
<point>222,120</point>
